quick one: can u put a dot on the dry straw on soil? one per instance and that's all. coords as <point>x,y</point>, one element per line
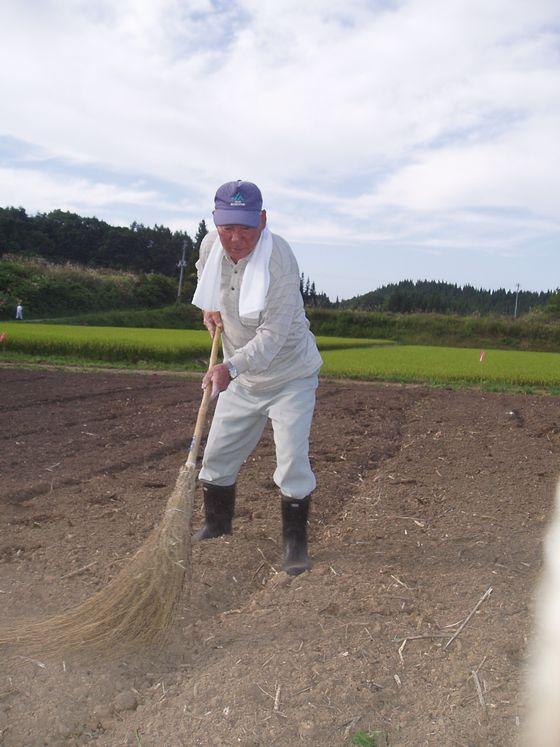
<point>138,606</point>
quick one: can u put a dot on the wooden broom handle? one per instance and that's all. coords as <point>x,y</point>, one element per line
<point>203,409</point>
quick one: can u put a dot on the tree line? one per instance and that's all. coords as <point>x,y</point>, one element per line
<point>310,295</point>
<point>409,296</point>
<point>62,236</point>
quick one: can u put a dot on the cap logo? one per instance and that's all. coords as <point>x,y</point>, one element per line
<point>237,200</point>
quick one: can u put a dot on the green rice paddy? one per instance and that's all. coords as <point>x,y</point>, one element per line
<point>343,357</point>
<point>125,345</point>
<point>440,365</point>
<point>109,344</point>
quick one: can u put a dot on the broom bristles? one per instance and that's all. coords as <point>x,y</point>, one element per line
<point>139,605</point>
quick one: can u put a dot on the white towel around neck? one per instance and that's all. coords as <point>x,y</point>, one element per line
<point>254,285</point>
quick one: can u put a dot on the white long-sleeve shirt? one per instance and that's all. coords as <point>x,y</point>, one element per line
<point>278,346</point>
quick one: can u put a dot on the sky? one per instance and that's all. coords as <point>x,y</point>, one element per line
<point>391,140</point>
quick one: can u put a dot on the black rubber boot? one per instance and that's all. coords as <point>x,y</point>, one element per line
<point>219,502</point>
<point>294,535</point>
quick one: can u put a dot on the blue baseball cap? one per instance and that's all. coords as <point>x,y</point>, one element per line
<point>238,203</point>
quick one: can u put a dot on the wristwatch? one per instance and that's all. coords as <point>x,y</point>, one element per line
<point>231,368</point>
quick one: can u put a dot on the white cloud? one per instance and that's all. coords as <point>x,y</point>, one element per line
<point>518,169</point>
<point>37,191</point>
<point>293,87</point>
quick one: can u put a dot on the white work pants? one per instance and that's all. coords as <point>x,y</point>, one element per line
<point>238,424</point>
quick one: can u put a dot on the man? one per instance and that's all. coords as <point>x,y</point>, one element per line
<point>19,311</point>
<point>248,286</point>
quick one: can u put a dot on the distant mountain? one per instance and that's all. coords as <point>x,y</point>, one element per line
<point>445,298</point>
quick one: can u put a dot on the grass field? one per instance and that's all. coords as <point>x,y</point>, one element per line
<point>456,366</point>
<point>343,357</point>
<point>126,345</point>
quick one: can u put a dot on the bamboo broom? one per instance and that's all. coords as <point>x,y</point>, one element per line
<point>139,605</point>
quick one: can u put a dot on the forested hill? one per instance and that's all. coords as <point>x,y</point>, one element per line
<point>445,298</point>
<point>61,236</point>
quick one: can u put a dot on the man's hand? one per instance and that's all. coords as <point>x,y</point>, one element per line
<point>211,320</point>
<point>218,377</point>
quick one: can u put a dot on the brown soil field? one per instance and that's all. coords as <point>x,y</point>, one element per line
<point>426,499</point>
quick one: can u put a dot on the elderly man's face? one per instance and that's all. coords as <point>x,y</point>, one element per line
<point>239,241</point>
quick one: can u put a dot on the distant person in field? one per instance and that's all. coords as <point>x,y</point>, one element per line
<point>19,311</point>
<point>249,287</point>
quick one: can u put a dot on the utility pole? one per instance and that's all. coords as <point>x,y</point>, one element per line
<point>181,265</point>
<point>516,299</point>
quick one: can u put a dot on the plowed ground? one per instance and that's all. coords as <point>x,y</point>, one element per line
<point>426,499</point>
